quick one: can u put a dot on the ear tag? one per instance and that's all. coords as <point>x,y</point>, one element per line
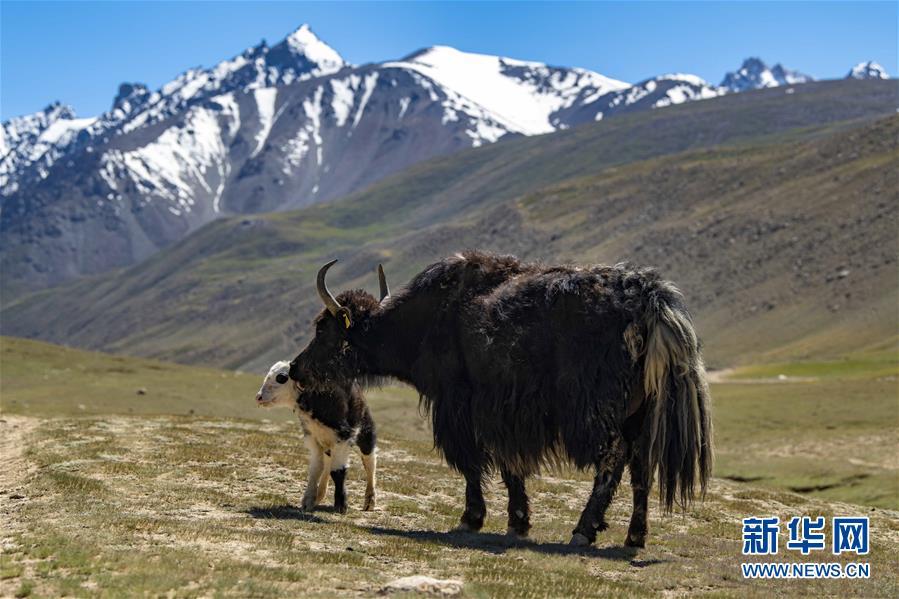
<point>346,320</point>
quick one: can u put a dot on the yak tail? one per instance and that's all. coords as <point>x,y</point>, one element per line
<point>675,387</point>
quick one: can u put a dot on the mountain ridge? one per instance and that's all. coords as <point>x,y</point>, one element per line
<point>272,128</point>
<point>755,74</point>
<point>645,186</point>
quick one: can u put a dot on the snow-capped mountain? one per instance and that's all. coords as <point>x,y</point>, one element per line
<point>522,97</point>
<point>755,74</point>
<point>36,140</point>
<point>272,128</point>
<point>301,55</point>
<point>657,92</point>
<point>868,70</point>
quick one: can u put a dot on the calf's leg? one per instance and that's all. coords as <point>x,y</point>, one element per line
<point>370,463</point>
<point>316,467</point>
<point>340,456</point>
<point>323,479</point>
<point>366,442</point>
<point>519,508</point>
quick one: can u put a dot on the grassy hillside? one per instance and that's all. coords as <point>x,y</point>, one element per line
<point>775,213</point>
<point>100,495</point>
<point>46,380</point>
<point>41,379</point>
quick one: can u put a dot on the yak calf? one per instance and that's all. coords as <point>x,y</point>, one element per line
<point>334,418</point>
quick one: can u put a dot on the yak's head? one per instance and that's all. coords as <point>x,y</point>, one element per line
<point>331,356</point>
<point>277,388</point>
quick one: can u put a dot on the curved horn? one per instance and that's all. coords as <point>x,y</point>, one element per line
<point>327,297</point>
<point>382,282</point>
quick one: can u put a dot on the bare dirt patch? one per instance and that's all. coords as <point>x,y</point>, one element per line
<point>14,433</point>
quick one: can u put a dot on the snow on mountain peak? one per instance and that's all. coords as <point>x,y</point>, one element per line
<point>301,55</point>
<point>37,138</point>
<point>304,42</point>
<point>656,92</point>
<point>685,78</point>
<point>868,70</point>
<point>755,74</point>
<point>522,96</point>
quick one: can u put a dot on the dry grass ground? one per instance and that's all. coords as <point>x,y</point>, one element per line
<point>137,501</point>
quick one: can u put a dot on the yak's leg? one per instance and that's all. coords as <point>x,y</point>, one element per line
<point>608,475</point>
<point>323,479</point>
<point>641,482</point>
<point>340,457</point>
<point>316,467</point>
<point>370,463</point>
<point>519,509</point>
<point>454,436</point>
<point>475,508</point>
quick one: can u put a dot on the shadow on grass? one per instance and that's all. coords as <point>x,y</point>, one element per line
<point>498,544</point>
<point>284,512</point>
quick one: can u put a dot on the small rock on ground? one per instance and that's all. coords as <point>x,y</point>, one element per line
<point>423,584</point>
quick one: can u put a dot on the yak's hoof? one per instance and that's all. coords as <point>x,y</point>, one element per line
<point>470,522</point>
<point>579,540</point>
<point>514,534</point>
<point>464,526</point>
<point>308,504</point>
<point>369,504</point>
<point>340,509</point>
<point>639,542</point>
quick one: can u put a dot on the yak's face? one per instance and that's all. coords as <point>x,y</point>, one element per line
<point>332,356</point>
<point>277,388</point>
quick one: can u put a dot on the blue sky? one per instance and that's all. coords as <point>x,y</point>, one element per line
<point>78,52</point>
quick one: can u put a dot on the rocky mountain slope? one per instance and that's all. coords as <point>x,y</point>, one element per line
<point>742,200</point>
<point>270,129</point>
<point>273,128</point>
<point>755,74</point>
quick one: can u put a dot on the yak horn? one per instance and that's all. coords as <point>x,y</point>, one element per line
<point>328,298</point>
<point>382,282</point>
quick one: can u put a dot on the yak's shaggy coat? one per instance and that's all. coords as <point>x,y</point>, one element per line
<point>521,364</point>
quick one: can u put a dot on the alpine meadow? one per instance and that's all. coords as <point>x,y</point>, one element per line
<point>158,258</point>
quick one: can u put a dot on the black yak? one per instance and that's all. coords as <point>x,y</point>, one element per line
<point>521,365</point>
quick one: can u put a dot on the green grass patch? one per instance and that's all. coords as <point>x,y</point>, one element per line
<point>870,365</point>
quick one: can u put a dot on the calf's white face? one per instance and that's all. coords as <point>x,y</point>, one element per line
<point>277,388</point>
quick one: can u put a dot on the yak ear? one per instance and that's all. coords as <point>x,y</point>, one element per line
<point>344,316</point>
